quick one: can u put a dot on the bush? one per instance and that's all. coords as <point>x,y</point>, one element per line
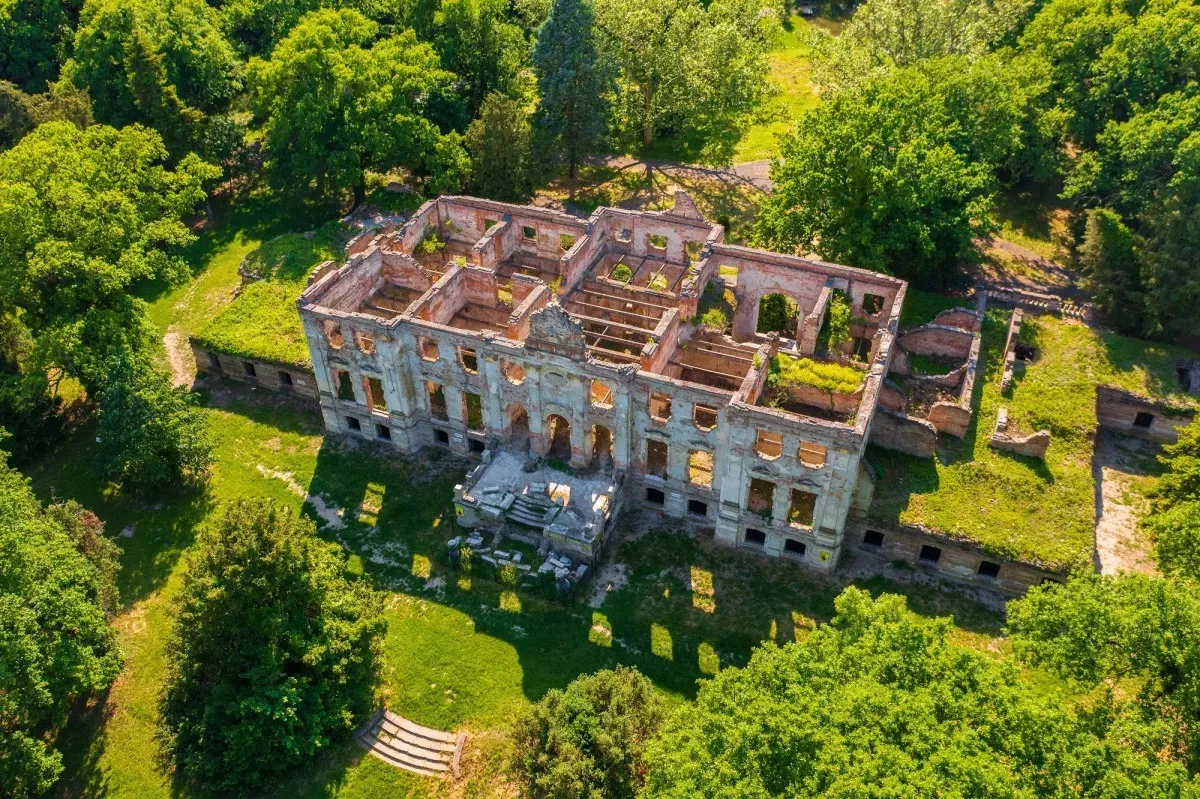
<point>274,651</point>
<point>835,330</point>
<point>828,377</point>
<point>713,319</point>
<point>1177,532</point>
<point>621,273</point>
<point>589,741</point>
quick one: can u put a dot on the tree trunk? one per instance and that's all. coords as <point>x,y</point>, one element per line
<point>648,123</point>
<point>360,189</point>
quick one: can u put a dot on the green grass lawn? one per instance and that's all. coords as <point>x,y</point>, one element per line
<point>461,651</point>
<point>920,307</point>
<point>1015,506</point>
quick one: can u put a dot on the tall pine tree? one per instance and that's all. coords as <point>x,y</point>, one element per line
<point>572,80</point>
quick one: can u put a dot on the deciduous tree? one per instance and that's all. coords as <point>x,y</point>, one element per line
<point>879,703</point>
<point>477,43</point>
<point>589,741</point>
<point>151,433</point>
<point>274,651</point>
<point>335,103</point>
<point>56,589</point>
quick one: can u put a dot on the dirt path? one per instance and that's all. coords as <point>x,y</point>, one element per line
<point>180,357</point>
<point>1120,545</point>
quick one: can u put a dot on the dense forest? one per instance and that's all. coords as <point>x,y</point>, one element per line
<point>126,126</point>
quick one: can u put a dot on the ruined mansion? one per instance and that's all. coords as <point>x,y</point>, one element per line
<point>519,331</point>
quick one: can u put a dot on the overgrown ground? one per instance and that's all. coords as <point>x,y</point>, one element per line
<point>461,651</point>
<point>1016,506</point>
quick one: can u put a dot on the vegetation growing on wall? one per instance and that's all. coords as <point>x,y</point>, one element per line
<point>828,377</point>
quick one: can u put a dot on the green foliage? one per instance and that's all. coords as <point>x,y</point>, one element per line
<point>334,105</point>
<point>921,307</point>
<point>1177,534</point>
<point>572,81</point>
<point>164,65</point>
<point>21,113</point>
<point>477,43</point>
<point>589,741</point>
<point>504,164</point>
<point>56,589</point>
<point>828,377</point>
<point>713,319</point>
<point>274,651</point>
<point>777,314</point>
<point>84,215</point>
<point>35,37</point>
<point>697,70</point>
<point>1122,90</point>
<point>887,34</point>
<point>879,697</point>
<point>151,433</point>
<point>1181,481</point>
<point>1101,628</point>
<point>896,175</point>
<point>621,273</point>
<point>835,330</point>
<point>1107,259</point>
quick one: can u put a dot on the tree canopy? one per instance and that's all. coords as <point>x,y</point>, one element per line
<point>572,80</point>
<point>274,651</point>
<point>164,65</point>
<point>897,174</point>
<point>879,703</point>
<point>589,741</point>
<point>334,102</point>
<point>56,590</point>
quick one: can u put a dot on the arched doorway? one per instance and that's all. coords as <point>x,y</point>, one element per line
<point>602,447</point>
<point>778,313</point>
<point>558,433</point>
<point>518,424</point>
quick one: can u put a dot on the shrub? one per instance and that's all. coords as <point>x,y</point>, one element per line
<point>589,741</point>
<point>621,273</point>
<point>1178,534</point>
<point>835,330</point>
<point>273,654</point>
<point>828,377</point>
<point>713,319</point>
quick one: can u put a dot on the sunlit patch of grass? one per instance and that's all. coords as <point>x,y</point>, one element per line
<point>661,643</point>
<point>463,582</point>
<point>600,633</point>
<point>708,661</point>
<point>422,566</point>
<point>510,601</point>
<point>702,590</point>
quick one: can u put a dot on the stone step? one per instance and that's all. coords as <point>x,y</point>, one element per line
<point>398,758</point>
<point>405,732</point>
<point>418,755</point>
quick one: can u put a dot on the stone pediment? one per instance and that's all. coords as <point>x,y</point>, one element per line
<point>551,329</point>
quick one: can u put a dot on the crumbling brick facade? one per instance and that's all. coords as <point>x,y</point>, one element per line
<point>480,325</point>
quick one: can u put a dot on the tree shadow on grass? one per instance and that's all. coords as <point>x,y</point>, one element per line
<point>82,747</point>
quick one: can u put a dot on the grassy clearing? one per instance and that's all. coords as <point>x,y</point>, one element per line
<point>262,322</point>
<point>461,651</point>
<point>1034,220</point>
<point>1015,506</point>
<point>790,77</point>
<point>1145,368</point>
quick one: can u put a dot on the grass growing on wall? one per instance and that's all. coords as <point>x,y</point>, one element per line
<point>828,377</point>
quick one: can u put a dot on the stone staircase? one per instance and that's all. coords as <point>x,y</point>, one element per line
<point>404,744</point>
<point>534,510</point>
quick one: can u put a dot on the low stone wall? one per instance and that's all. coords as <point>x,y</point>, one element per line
<point>273,376</point>
<point>1122,412</point>
<point>1033,445</point>
<point>903,433</point>
<point>892,397</point>
<point>960,561</point>
<point>836,401</point>
<point>939,340</point>
<point>951,418</point>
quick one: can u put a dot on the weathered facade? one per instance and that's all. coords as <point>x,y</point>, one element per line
<point>481,326</point>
